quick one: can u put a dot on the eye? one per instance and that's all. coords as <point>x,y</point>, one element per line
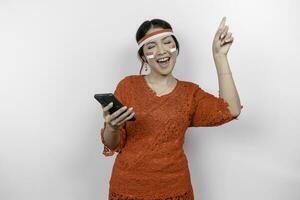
<point>168,42</point>
<point>150,47</point>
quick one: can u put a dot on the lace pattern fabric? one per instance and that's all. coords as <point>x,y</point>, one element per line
<point>209,110</point>
<point>182,196</point>
<point>150,153</point>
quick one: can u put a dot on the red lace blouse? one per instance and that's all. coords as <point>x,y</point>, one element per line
<point>151,163</point>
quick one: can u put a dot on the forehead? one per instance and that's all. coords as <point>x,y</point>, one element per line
<point>159,38</point>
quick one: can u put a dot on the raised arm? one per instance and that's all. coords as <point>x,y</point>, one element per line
<point>227,90</point>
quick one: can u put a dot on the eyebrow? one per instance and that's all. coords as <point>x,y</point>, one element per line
<point>161,39</point>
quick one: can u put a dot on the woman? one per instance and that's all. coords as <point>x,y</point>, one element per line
<point>151,163</point>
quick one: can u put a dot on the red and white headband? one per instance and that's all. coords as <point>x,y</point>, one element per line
<point>154,35</point>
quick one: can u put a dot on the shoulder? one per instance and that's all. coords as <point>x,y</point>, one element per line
<point>128,81</point>
<point>195,89</point>
<point>130,78</point>
<point>190,85</point>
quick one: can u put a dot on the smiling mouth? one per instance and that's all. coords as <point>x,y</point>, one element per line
<point>164,62</point>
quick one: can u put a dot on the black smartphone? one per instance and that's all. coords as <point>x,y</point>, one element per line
<point>106,98</point>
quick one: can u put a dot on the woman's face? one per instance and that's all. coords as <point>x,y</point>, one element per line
<point>160,48</point>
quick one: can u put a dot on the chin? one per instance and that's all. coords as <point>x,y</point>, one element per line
<point>164,71</point>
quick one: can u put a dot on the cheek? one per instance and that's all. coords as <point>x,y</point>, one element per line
<point>172,48</point>
<point>149,54</point>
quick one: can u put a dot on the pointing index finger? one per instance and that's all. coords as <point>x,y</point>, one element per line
<point>222,24</point>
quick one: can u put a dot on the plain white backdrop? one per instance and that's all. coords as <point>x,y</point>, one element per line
<point>55,55</point>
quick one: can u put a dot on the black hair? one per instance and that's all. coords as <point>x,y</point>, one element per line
<point>146,26</point>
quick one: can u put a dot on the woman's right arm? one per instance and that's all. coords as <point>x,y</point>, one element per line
<point>111,137</point>
<point>113,122</point>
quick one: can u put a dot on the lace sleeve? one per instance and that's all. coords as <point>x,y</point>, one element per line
<point>119,93</point>
<point>106,150</point>
<point>208,110</point>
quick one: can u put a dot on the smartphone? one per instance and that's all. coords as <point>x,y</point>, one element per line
<point>106,98</point>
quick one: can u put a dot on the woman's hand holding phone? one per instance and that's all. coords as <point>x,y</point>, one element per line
<point>116,119</point>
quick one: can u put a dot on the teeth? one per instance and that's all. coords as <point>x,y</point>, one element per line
<point>162,60</point>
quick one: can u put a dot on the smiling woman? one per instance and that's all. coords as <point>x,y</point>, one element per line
<point>151,163</point>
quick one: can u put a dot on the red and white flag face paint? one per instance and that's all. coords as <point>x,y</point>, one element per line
<point>150,55</point>
<point>173,48</point>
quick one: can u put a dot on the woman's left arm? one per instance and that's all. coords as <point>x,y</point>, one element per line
<point>227,90</point>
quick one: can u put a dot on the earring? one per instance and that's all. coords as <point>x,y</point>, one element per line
<point>146,67</point>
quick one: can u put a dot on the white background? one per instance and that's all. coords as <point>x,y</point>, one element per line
<point>55,55</point>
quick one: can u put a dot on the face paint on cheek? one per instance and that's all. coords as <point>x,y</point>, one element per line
<point>150,55</point>
<point>173,48</point>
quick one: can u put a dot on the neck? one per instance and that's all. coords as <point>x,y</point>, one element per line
<point>159,79</point>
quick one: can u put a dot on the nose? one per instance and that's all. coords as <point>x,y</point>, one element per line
<point>161,50</point>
